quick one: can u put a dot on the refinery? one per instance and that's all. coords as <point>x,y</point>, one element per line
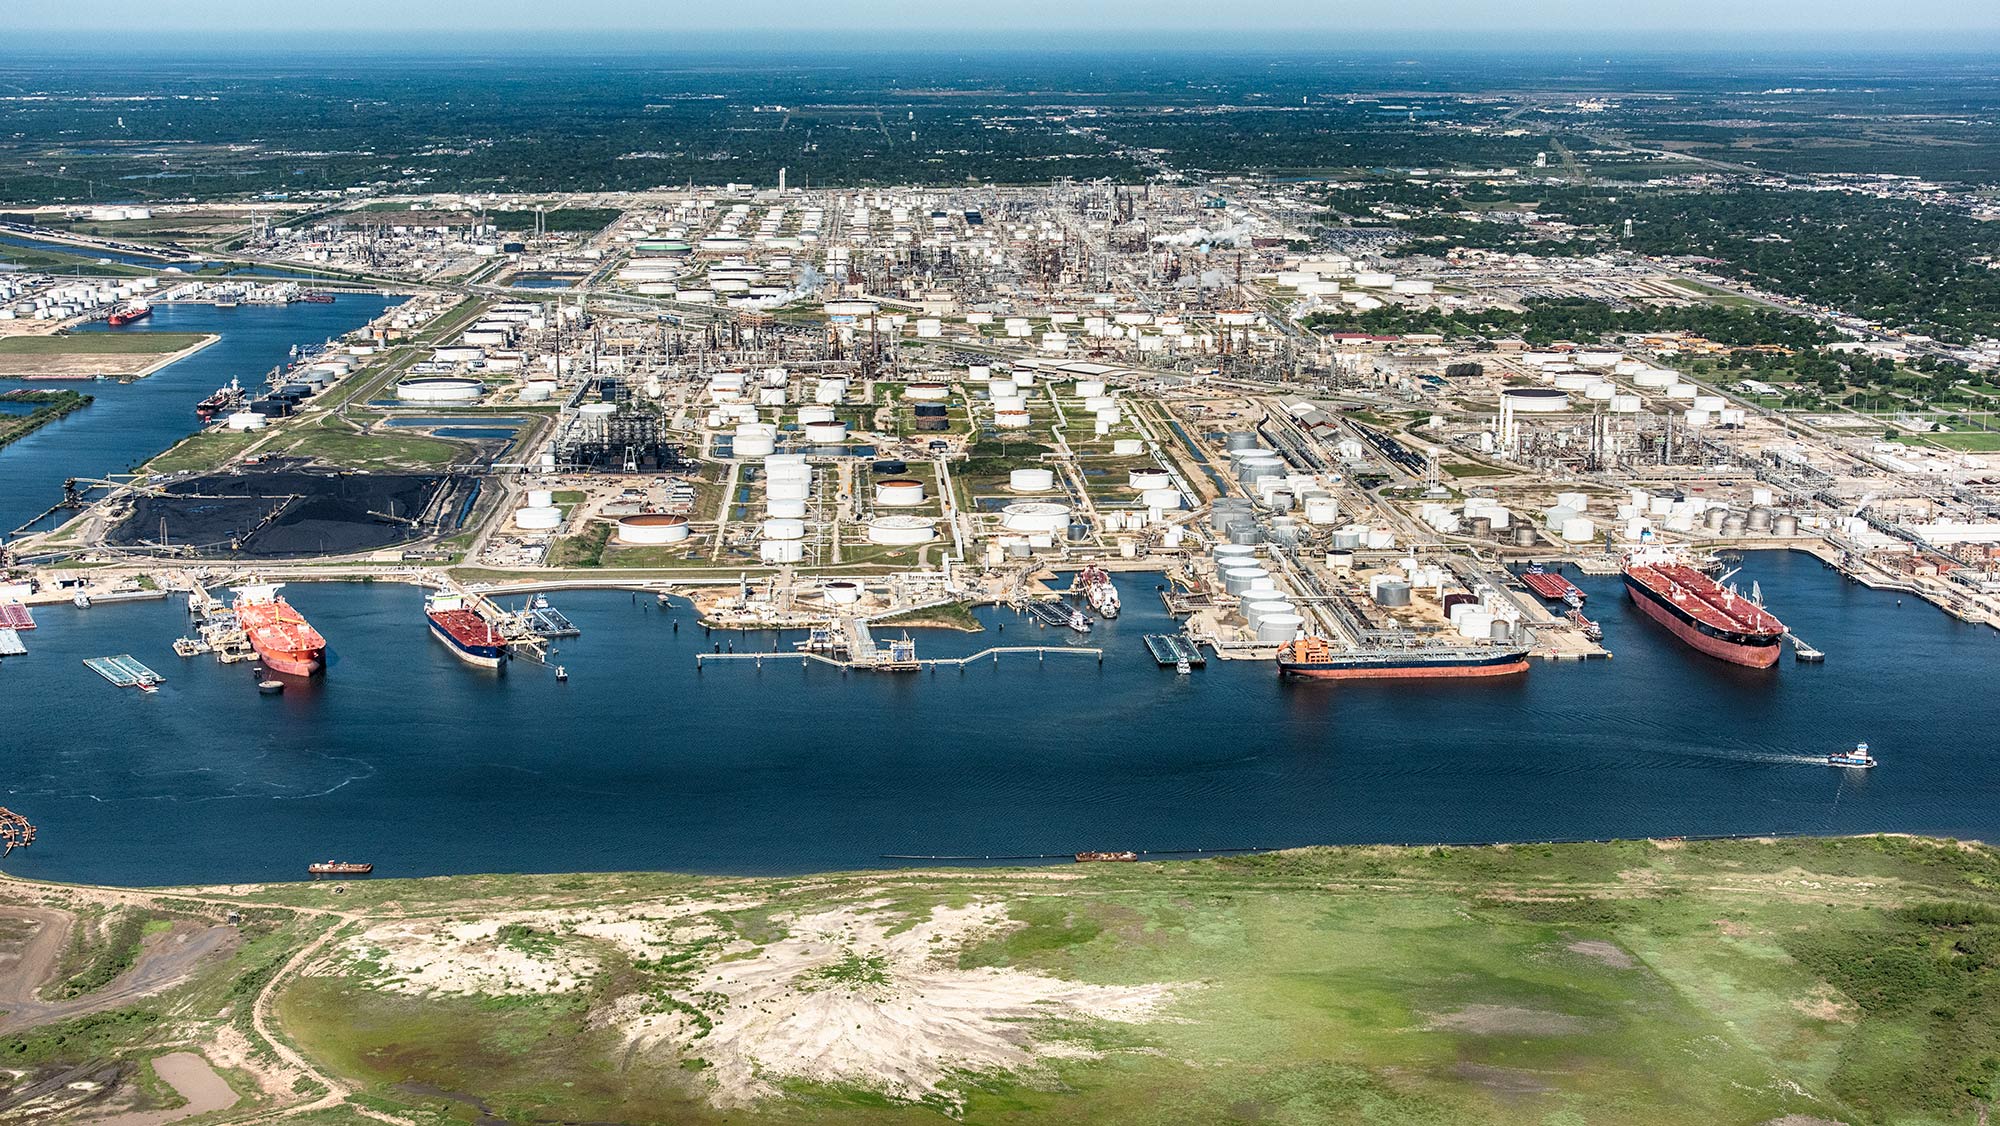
<point>821,409</point>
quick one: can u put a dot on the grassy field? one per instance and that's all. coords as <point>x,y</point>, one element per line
<point>332,443</point>
<point>99,344</point>
<point>205,450</point>
<point>1835,981</point>
<point>1964,441</point>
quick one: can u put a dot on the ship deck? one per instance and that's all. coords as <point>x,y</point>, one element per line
<point>1697,596</point>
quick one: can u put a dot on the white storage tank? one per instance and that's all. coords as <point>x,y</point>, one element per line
<point>1035,516</point>
<point>826,433</point>
<point>247,420</point>
<point>1579,529</point>
<point>754,439</point>
<point>1166,500</point>
<point>899,492</point>
<point>789,507</point>
<point>1143,479</point>
<point>652,528</point>
<point>538,519</point>
<point>1279,629</point>
<point>901,530</point>
<point>1031,480</point>
<point>781,551</point>
<point>784,528</point>
<point>439,389</point>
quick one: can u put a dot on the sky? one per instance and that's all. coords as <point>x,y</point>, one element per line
<point>1692,21</point>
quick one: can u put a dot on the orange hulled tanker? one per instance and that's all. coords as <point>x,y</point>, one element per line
<point>1698,610</point>
<point>282,637</point>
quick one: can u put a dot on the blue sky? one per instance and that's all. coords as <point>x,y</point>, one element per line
<point>1701,20</point>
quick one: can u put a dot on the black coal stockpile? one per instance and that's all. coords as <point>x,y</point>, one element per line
<point>276,515</point>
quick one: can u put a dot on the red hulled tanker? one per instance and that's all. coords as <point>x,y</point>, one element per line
<point>1711,618</point>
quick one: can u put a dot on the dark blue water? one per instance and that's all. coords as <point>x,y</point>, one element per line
<point>130,422</point>
<point>405,757</point>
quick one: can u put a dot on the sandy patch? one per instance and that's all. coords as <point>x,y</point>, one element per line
<point>1610,953</point>
<point>1507,1020</point>
<point>1825,1003</point>
<point>1801,1120</point>
<point>1732,929</point>
<point>1668,845</point>
<point>1504,1081</point>
<point>842,1000</point>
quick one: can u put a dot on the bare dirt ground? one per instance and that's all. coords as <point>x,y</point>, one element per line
<point>165,962</point>
<point>26,963</point>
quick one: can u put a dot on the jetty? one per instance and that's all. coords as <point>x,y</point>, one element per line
<point>1803,652</point>
<point>10,644</point>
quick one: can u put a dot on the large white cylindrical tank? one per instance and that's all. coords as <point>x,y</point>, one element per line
<point>788,507</point>
<point>247,420</point>
<point>1656,378</point>
<point>1579,529</point>
<point>929,392</point>
<point>784,528</point>
<point>1625,404</point>
<point>537,391</point>
<point>1127,447</point>
<point>652,528</point>
<point>541,498</point>
<point>1534,400</point>
<point>1374,280</point>
<point>538,519</point>
<point>826,433</point>
<point>830,391</point>
<point>1279,629</point>
<point>1012,420</point>
<point>899,492</point>
<point>1007,403</point>
<point>815,413</point>
<point>1322,510</point>
<point>1031,480</point>
<point>1143,479</point>
<point>782,551</point>
<point>1710,403</point>
<point>1002,388</point>
<point>788,489</point>
<point>1035,516</point>
<point>1685,391</point>
<point>1089,388</point>
<point>439,389</point>
<point>901,530</point>
<point>1162,499</point>
<point>841,593</point>
<point>755,439</point>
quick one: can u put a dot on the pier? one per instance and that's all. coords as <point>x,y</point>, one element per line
<point>1060,615</point>
<point>895,661</point>
<point>1803,652</point>
<point>15,616</point>
<point>10,644</point>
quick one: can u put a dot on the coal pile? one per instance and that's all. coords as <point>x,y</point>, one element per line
<point>292,514</point>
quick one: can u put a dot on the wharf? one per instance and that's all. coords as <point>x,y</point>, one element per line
<point>10,644</point>
<point>903,660</point>
<point>547,621</point>
<point>15,616</point>
<point>124,671</point>
<point>1169,650</point>
<point>1802,651</point>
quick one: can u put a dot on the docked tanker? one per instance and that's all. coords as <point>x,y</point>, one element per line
<point>1698,610</point>
<point>282,637</point>
<point>1103,596</point>
<point>131,314</point>
<point>470,638</point>
<point>1317,658</point>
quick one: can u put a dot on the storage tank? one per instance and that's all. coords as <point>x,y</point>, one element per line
<point>652,528</point>
<point>1322,510</point>
<point>1089,388</point>
<point>1785,524</point>
<point>1143,479</point>
<point>901,530</point>
<point>784,528</point>
<point>540,498</point>
<point>899,492</point>
<point>1760,519</point>
<point>815,413</point>
<point>1031,480</point>
<point>926,392</point>
<point>1278,629</point>
<point>841,593</point>
<point>439,389</point>
<point>1035,516</point>
<point>789,507</point>
<point>1236,580</point>
<point>1534,400</point>
<point>1390,592</point>
<point>1127,447</point>
<point>1579,529</point>
<point>1166,500</point>
<point>538,519</point>
<point>1623,403</point>
<point>754,439</point>
<point>781,551</point>
<point>246,420</point>
<point>1239,440</point>
<point>826,433</point>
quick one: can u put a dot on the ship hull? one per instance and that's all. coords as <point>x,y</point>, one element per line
<point>1757,651</point>
<point>1511,664</point>
<point>482,656</point>
<point>290,662</point>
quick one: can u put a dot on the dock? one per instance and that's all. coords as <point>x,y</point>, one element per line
<point>124,671</point>
<point>10,644</point>
<point>547,621</point>
<point>901,657</point>
<point>1803,652</point>
<point>1170,649</point>
<point>15,616</point>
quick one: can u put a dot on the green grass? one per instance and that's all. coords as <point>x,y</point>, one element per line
<point>99,344</point>
<point>584,549</point>
<point>1964,441</point>
<point>203,451</point>
<point>1474,469</point>
<point>352,450</point>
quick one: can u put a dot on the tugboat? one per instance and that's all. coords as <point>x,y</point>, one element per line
<point>1858,758</point>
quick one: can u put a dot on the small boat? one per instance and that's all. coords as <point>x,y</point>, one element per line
<point>1106,857</point>
<point>562,673</point>
<point>1858,758</point>
<point>81,602</point>
<point>339,868</point>
<point>271,687</point>
<point>1182,667</point>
